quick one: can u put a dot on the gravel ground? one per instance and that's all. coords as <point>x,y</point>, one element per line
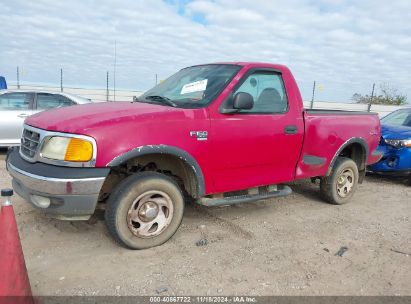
<point>282,246</point>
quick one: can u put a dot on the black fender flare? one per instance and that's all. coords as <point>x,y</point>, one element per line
<point>352,140</point>
<point>164,149</point>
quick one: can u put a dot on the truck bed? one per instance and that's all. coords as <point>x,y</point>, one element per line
<point>326,131</point>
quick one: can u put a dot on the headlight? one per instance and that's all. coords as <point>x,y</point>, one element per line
<point>398,143</point>
<point>67,149</point>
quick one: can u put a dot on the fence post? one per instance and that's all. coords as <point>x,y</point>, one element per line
<point>18,78</point>
<point>312,98</point>
<point>114,73</point>
<point>372,96</point>
<point>61,79</point>
<point>107,91</point>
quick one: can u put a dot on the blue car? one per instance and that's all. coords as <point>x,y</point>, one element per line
<point>395,144</point>
<point>3,83</point>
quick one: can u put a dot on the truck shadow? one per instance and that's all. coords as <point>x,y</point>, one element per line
<point>307,189</point>
<point>3,153</point>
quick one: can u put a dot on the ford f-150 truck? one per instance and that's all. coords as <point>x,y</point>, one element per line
<point>216,134</point>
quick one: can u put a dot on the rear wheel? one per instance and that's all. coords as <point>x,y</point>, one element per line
<point>145,210</point>
<point>339,187</point>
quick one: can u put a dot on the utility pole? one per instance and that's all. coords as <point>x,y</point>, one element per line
<point>372,97</point>
<point>61,79</point>
<point>156,78</point>
<point>18,78</point>
<point>312,98</point>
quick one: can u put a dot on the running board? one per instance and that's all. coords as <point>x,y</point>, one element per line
<point>232,200</point>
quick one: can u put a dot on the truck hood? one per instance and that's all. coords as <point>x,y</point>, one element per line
<point>395,132</point>
<point>79,119</point>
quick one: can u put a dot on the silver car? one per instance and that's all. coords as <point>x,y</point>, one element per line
<point>16,105</point>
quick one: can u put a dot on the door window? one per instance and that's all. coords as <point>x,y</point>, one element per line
<point>15,101</point>
<point>398,118</point>
<point>267,89</point>
<point>48,101</point>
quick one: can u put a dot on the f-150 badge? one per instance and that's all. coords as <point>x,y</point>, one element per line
<point>201,135</point>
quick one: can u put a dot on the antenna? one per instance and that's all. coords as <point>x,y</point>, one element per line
<point>372,97</point>
<point>107,92</point>
<point>114,74</point>
<point>18,78</point>
<point>312,98</point>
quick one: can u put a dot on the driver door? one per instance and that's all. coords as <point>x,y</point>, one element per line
<point>260,146</point>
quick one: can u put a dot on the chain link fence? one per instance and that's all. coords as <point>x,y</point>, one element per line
<point>95,94</point>
<point>113,94</point>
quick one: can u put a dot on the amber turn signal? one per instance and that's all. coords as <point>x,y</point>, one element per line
<point>79,150</point>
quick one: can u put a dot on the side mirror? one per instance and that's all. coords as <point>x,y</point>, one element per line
<point>243,101</point>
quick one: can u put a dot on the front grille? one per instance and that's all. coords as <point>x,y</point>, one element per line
<point>29,143</point>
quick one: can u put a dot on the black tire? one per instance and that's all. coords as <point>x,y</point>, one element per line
<point>329,184</point>
<point>123,198</point>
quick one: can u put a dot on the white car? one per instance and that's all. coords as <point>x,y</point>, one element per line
<point>16,105</point>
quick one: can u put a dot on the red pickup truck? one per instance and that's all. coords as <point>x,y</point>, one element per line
<point>218,134</point>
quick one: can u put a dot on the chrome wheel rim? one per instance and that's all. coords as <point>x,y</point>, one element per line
<point>150,214</point>
<point>345,182</point>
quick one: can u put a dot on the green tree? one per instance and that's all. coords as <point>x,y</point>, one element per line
<point>387,96</point>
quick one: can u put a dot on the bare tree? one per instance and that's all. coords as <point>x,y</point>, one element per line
<point>387,96</point>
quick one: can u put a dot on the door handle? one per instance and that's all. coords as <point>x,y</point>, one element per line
<point>290,129</point>
<point>23,115</point>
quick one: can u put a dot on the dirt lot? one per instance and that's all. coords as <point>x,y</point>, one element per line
<point>283,246</point>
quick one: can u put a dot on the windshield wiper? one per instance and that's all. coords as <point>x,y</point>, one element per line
<point>161,99</point>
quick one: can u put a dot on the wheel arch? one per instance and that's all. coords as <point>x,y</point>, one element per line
<point>355,148</point>
<point>192,174</point>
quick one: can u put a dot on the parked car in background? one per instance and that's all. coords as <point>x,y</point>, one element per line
<point>3,83</point>
<point>16,105</point>
<point>395,144</point>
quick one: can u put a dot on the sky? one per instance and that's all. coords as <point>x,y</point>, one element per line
<point>343,45</point>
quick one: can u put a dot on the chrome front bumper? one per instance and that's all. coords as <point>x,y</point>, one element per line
<point>58,186</point>
<point>72,192</point>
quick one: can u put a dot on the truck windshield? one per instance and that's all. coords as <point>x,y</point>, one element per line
<point>192,87</point>
<point>398,118</point>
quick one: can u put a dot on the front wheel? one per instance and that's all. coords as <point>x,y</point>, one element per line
<point>339,187</point>
<point>145,210</point>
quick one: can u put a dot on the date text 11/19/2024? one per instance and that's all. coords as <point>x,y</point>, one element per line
<point>203,299</point>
